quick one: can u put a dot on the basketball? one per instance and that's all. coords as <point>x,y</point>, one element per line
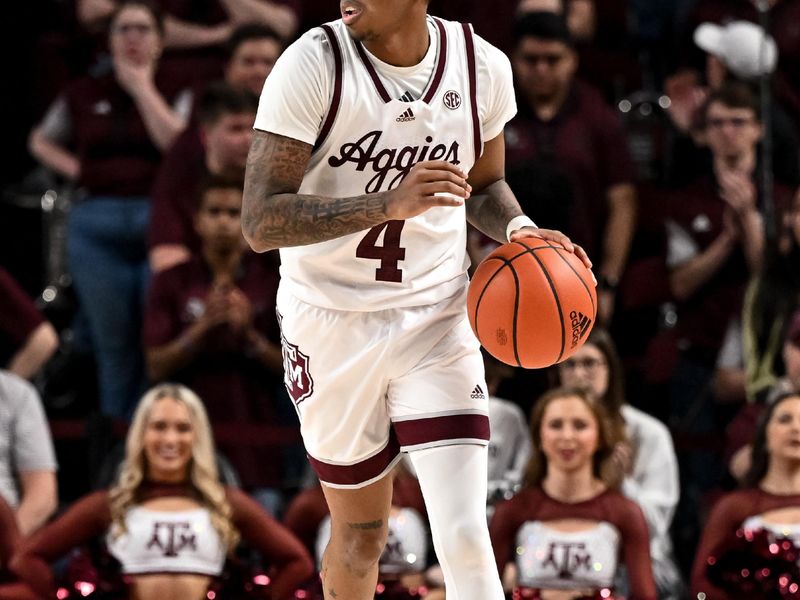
<point>532,303</point>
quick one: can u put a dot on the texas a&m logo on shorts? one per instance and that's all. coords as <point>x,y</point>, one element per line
<point>296,377</point>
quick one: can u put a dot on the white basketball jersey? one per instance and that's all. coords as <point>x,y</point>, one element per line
<point>367,143</point>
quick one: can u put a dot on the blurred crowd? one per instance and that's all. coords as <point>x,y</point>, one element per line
<point>141,373</point>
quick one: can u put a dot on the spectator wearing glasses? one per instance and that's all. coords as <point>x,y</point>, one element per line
<point>715,241</point>
<point>645,456</point>
<point>567,153</point>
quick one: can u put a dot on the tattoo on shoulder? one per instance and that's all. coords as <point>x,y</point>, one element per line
<point>368,525</point>
<point>275,215</point>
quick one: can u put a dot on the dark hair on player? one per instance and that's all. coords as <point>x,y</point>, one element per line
<point>248,32</point>
<point>543,25</point>
<point>221,98</point>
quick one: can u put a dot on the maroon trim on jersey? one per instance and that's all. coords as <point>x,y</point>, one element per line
<point>436,429</point>
<point>376,80</point>
<point>433,87</point>
<point>337,87</point>
<point>359,472</point>
<point>473,89</point>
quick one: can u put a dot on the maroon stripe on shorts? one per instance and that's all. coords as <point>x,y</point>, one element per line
<point>440,64</point>
<point>473,89</point>
<point>376,80</point>
<point>438,429</point>
<point>360,472</point>
<point>337,86</point>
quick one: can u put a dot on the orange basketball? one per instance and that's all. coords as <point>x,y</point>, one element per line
<point>532,303</point>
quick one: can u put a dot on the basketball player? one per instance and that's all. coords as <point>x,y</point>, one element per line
<point>377,136</point>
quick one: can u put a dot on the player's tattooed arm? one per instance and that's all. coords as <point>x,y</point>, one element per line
<point>492,204</point>
<point>274,215</point>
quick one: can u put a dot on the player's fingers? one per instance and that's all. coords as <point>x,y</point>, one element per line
<point>447,187</point>
<point>442,165</point>
<point>431,175</point>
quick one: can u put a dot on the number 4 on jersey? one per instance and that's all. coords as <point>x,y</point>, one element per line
<point>390,253</point>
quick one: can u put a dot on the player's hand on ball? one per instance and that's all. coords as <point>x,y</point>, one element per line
<point>428,184</point>
<point>552,236</point>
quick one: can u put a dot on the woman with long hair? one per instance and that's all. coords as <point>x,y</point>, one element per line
<point>645,455</point>
<point>566,530</point>
<point>759,521</point>
<point>168,520</point>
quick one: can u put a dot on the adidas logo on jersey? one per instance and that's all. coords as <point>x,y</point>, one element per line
<point>407,116</point>
<point>580,325</point>
<point>477,393</point>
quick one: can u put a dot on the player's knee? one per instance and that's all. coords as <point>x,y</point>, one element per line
<point>363,547</point>
<point>468,543</point>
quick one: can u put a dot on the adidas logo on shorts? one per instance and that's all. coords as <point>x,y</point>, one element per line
<point>477,393</point>
<point>408,115</point>
<point>580,325</point>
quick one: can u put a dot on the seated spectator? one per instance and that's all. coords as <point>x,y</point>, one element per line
<point>738,51</point>
<point>210,324</point>
<point>27,460</point>
<point>510,441</point>
<point>27,340</point>
<point>569,527</point>
<point>768,504</point>
<point>168,521</point>
<point>646,456</point>
<point>565,127</point>
<point>118,123</point>
<point>218,146</point>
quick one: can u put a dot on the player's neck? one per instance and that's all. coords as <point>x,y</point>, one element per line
<point>572,486</point>
<point>404,47</point>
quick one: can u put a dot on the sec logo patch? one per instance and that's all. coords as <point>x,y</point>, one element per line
<point>452,99</point>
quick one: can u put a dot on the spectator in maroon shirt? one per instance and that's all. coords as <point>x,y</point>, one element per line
<point>566,131</point>
<point>210,323</point>
<point>217,146</point>
<point>27,340</point>
<point>715,241</point>
<point>106,132</point>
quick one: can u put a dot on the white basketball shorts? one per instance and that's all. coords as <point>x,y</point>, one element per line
<point>369,385</point>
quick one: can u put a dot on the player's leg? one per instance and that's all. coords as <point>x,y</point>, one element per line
<point>359,527</point>
<point>439,411</point>
<point>453,482</point>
